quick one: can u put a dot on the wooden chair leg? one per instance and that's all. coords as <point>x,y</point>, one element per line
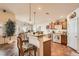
<point>21,52</point>
<point>35,49</point>
<point>30,52</point>
<point>34,53</point>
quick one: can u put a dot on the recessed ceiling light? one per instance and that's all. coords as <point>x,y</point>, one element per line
<point>61,16</point>
<point>39,8</point>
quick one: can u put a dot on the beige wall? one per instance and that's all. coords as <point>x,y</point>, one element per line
<point>5,16</point>
<point>7,39</point>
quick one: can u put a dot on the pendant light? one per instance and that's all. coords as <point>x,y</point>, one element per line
<point>34,17</point>
<point>30,12</point>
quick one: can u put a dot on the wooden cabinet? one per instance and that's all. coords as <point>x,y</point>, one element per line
<point>64,39</point>
<point>64,24</point>
<point>47,48</point>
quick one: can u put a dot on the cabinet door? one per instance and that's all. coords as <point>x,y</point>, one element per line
<point>47,48</point>
<point>72,33</point>
<point>64,39</point>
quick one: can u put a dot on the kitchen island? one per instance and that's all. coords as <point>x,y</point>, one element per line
<point>44,45</point>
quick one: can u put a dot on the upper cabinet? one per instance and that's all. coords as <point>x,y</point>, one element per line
<point>64,24</point>
<point>61,22</point>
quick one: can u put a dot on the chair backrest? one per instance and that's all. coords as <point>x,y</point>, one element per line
<point>19,43</point>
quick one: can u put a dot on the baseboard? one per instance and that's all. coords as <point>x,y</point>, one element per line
<point>10,41</point>
<point>74,49</point>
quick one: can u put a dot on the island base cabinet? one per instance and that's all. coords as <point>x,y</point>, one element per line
<point>47,48</point>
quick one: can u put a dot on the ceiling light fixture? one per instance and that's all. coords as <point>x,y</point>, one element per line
<point>4,10</point>
<point>34,17</point>
<point>39,8</point>
<point>47,13</point>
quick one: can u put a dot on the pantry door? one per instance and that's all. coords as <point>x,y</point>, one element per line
<point>72,33</point>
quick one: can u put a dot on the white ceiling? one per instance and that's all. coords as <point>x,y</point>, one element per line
<point>54,11</point>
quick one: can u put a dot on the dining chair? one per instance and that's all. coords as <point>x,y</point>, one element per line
<point>35,42</point>
<point>26,48</point>
<point>30,49</point>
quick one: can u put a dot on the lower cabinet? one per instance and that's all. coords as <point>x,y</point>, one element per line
<point>47,48</point>
<point>64,39</point>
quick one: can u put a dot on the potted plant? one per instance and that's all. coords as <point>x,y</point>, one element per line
<point>9,28</point>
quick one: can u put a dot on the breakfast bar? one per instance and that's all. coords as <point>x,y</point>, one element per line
<point>44,45</point>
